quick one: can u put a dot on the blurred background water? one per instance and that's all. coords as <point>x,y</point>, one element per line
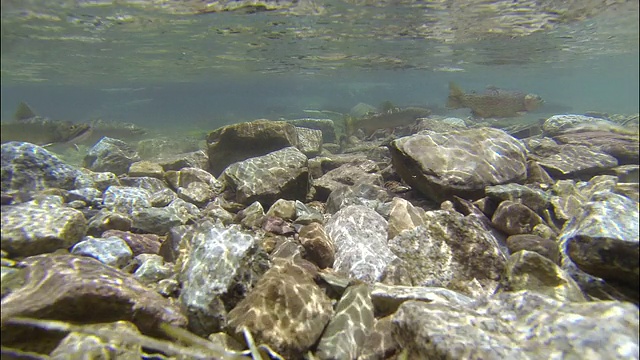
<point>175,64</point>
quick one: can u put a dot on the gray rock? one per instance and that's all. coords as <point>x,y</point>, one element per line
<point>154,220</point>
<point>403,216</point>
<point>238,142</point>
<point>252,217</point>
<point>306,215</point>
<point>87,195</point>
<point>111,251</point>
<point>360,238</point>
<point>194,185</point>
<point>185,211</point>
<point>282,174</point>
<point>535,199</point>
<point>380,343</point>
<point>108,220</point>
<point>80,288</point>
<point>557,124</point>
<point>110,155</point>
<point>514,218</point>
<point>371,196</point>
<point>151,269</point>
<point>309,141</point>
<point>146,169</point>
<point>449,251</point>
<point>604,240</point>
<point>220,266</point>
<point>461,163</point>
<point>125,199</point>
<point>576,161</point>
<point>34,228</point>
<point>286,310</point>
<point>350,326</point>
<point>28,167</point>
<point>354,173</point>
<point>520,325</point>
<point>624,147</point>
<point>196,159</point>
<point>386,299</point>
<point>139,243</point>
<point>97,180</point>
<point>151,184</point>
<point>527,270</point>
<point>324,125</point>
<point>285,209</point>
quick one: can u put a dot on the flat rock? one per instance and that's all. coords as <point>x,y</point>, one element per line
<point>282,174</point>
<point>514,218</point>
<point>576,161</point>
<point>360,237</point>
<point>353,173</point>
<point>111,251</point>
<point>520,325</point>
<point>84,290</point>
<point>535,199</point>
<point>285,310</point>
<point>324,125</point>
<point>461,163</point>
<point>543,246</point>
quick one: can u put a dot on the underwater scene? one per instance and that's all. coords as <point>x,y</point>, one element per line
<point>320,179</point>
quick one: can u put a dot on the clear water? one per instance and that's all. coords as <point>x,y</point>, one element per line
<point>160,65</point>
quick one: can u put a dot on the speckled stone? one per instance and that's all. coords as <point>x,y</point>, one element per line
<point>319,248</point>
<point>285,209</point>
<point>78,345</point>
<point>139,243</point>
<point>151,269</point>
<point>576,161</point>
<point>360,171</point>
<point>194,185</point>
<point>285,310</point>
<point>461,163</point>
<point>309,141</point>
<point>534,199</point>
<point>35,227</point>
<point>521,325</point>
<point>97,180</point>
<point>126,199</point>
<point>449,249</point>
<point>110,155</point>
<point>360,238</point>
<point>387,298</point>
<point>403,216</point>
<point>28,167</point>
<point>154,220</point>
<point>544,246</point>
<point>350,326</point>
<point>108,220</point>
<point>369,195</point>
<point>111,251</point>
<point>282,174</point>
<point>326,126</point>
<point>559,123</point>
<point>219,267</point>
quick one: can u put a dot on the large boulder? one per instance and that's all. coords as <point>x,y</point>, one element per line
<point>462,163</point>
<point>282,174</point>
<point>238,142</point>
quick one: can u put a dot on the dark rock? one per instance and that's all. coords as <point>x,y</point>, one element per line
<point>545,247</point>
<point>520,325</point>
<point>126,199</point>
<point>110,155</point>
<point>514,218</point>
<point>535,199</point>
<point>146,169</point>
<point>319,249</point>
<point>360,238</point>
<point>154,220</point>
<point>31,168</point>
<point>286,310</point>
<point>108,220</point>
<point>527,270</point>
<point>285,209</point>
<point>78,345</point>
<point>282,174</point>
<point>197,159</point>
<point>238,142</point>
<point>97,180</point>
<point>387,299</point>
<point>458,163</point>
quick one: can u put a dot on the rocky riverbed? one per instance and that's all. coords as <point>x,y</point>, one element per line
<point>283,240</point>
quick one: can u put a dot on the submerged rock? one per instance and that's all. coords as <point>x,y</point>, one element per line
<point>462,163</point>
<point>111,155</point>
<point>520,325</point>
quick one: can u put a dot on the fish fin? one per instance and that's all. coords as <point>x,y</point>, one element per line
<point>349,124</point>
<point>454,101</point>
<point>24,112</point>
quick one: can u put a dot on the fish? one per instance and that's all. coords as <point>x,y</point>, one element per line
<point>388,119</point>
<point>493,102</point>
<point>29,127</point>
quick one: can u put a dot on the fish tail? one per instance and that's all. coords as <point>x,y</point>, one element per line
<point>454,101</point>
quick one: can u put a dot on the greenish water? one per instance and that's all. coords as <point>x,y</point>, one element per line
<point>163,65</point>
